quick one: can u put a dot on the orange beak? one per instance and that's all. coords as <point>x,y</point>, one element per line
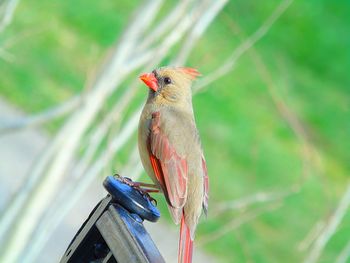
<point>150,80</point>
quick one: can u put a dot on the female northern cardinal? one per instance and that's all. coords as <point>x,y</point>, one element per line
<point>171,151</point>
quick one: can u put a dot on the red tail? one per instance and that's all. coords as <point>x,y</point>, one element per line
<point>185,243</point>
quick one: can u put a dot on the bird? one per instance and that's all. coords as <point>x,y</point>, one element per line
<point>171,151</point>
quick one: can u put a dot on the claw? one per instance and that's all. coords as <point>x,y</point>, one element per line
<point>137,186</point>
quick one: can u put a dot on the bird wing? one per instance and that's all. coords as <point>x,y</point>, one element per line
<point>205,186</point>
<point>169,167</point>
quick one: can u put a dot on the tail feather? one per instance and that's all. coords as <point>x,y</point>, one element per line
<point>185,243</point>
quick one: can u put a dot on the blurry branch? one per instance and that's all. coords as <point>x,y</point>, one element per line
<point>99,133</point>
<point>245,246</point>
<point>344,254</point>
<point>330,228</point>
<point>166,25</point>
<point>19,37</point>
<point>40,118</point>
<point>309,152</point>
<point>14,208</point>
<point>70,194</point>
<point>198,30</point>
<point>7,9</point>
<point>5,55</point>
<point>161,50</point>
<point>245,202</point>
<point>74,193</point>
<point>312,235</point>
<point>229,64</point>
<point>133,168</point>
<point>16,39</point>
<point>128,130</point>
<point>51,220</point>
<point>236,222</point>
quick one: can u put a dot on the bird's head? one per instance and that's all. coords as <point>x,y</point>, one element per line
<point>170,84</point>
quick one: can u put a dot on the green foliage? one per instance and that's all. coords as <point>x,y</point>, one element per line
<point>249,144</point>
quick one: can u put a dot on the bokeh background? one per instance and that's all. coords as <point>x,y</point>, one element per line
<point>272,108</point>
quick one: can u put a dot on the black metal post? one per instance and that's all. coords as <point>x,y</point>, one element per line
<point>114,230</point>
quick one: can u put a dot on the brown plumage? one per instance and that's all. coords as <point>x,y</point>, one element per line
<point>171,151</point>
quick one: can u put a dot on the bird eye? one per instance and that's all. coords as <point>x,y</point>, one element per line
<point>167,80</point>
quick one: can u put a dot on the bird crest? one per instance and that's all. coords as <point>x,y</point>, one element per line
<point>191,72</point>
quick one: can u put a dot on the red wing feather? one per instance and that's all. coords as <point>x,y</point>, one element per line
<point>157,168</point>
<point>169,167</point>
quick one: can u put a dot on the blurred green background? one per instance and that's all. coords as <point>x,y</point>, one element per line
<point>279,122</point>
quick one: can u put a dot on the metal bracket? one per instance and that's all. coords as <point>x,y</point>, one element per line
<point>114,230</point>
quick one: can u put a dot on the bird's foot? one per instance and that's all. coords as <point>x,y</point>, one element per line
<point>143,188</point>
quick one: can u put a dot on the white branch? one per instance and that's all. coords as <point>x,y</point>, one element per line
<point>77,189</point>
<point>229,64</point>
<point>235,223</point>
<point>9,10</point>
<point>260,197</point>
<point>166,25</point>
<point>15,207</point>
<point>308,151</point>
<point>134,160</point>
<point>330,228</point>
<point>6,56</point>
<point>312,235</point>
<point>198,29</point>
<point>98,134</point>
<point>344,254</point>
<point>37,119</point>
